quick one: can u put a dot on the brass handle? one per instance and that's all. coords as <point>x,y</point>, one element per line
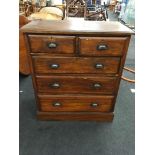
<point>54,66</point>
<point>102,47</point>
<point>52,45</point>
<point>94,104</point>
<point>97,85</point>
<point>56,104</point>
<point>55,85</point>
<point>99,66</point>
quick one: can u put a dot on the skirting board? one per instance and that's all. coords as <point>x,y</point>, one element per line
<point>81,116</point>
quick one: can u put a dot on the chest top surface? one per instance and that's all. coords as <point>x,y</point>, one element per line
<point>77,27</point>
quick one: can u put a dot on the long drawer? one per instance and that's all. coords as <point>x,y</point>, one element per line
<point>102,46</point>
<point>43,64</point>
<point>52,44</point>
<point>62,103</point>
<point>76,84</point>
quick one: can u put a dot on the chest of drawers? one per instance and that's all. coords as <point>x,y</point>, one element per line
<point>76,67</point>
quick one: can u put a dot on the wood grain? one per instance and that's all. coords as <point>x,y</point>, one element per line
<point>76,103</point>
<point>76,84</point>
<point>88,46</point>
<point>64,44</point>
<point>42,64</point>
<point>75,27</point>
<point>76,116</point>
<point>23,58</point>
<point>68,91</point>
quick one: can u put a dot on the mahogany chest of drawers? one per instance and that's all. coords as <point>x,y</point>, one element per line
<point>76,67</point>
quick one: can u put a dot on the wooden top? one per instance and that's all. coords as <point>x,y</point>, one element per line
<point>76,27</point>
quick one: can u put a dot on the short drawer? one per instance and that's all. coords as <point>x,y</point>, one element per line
<point>52,44</point>
<point>76,84</point>
<point>76,64</point>
<point>102,46</point>
<point>61,103</point>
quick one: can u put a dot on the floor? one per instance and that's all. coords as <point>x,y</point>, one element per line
<point>79,138</point>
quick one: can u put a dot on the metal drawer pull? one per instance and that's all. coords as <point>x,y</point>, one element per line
<point>54,66</point>
<point>52,45</point>
<point>97,85</point>
<point>56,104</point>
<point>55,85</point>
<point>102,47</point>
<point>99,66</point>
<point>94,104</point>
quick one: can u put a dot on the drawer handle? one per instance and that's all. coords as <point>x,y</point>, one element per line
<point>52,45</point>
<point>55,85</point>
<point>102,47</point>
<point>99,66</point>
<point>94,104</point>
<point>97,85</point>
<point>56,104</point>
<point>54,66</point>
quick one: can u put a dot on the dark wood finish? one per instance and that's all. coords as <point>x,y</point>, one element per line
<point>23,59</point>
<point>76,116</point>
<point>73,27</point>
<point>89,46</point>
<point>76,103</point>
<point>76,82</point>
<point>48,64</point>
<point>41,43</point>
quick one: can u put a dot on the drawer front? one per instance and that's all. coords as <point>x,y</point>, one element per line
<point>76,65</point>
<point>52,44</point>
<point>73,103</point>
<point>76,84</point>
<point>102,46</point>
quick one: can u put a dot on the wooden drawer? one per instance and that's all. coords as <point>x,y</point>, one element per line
<point>76,65</point>
<point>76,84</point>
<point>52,44</point>
<point>61,103</point>
<point>102,46</point>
